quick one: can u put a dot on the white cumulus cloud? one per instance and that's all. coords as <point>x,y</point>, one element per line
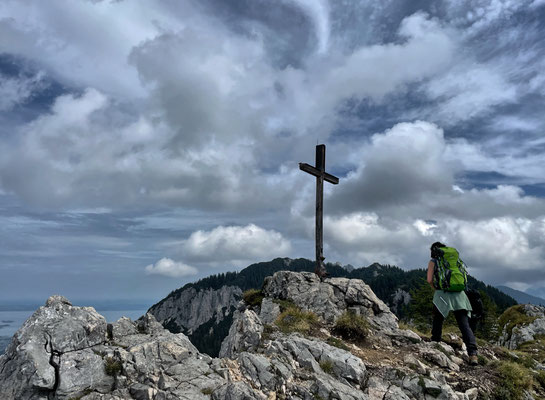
<point>168,267</point>
<point>235,243</point>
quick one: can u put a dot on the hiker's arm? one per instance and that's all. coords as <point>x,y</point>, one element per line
<point>431,265</point>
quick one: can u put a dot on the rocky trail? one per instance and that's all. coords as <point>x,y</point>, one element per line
<point>300,339</point>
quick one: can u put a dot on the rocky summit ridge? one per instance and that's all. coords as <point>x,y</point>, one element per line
<point>66,352</point>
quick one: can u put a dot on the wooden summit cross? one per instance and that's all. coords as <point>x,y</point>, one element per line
<point>321,175</point>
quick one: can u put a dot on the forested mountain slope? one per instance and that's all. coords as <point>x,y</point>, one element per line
<point>521,297</point>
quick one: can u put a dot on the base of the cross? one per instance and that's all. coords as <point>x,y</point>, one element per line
<point>320,269</point>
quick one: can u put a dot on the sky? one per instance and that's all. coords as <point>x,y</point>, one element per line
<point>144,146</point>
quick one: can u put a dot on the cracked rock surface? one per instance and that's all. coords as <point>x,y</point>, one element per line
<point>66,352</point>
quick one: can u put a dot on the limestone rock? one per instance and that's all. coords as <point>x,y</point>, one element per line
<point>395,393</point>
<point>57,299</point>
<point>433,352</point>
<point>377,387</point>
<point>330,298</point>
<point>148,324</point>
<point>123,327</point>
<point>472,394</point>
<point>525,332</point>
<point>269,311</point>
<point>244,334</point>
<point>72,380</point>
<point>261,371</point>
<point>329,388</point>
<point>65,352</point>
<point>142,392</point>
<point>312,354</point>
<point>415,364</point>
<point>404,336</point>
<point>188,309</point>
<point>400,298</point>
<point>41,347</point>
<point>237,391</point>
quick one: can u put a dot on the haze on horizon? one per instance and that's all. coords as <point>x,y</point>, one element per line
<point>145,147</point>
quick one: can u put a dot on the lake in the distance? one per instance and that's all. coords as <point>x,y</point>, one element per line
<point>10,321</point>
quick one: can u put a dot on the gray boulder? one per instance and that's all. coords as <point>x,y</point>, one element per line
<point>237,391</point>
<point>331,297</point>
<point>244,334</point>
<point>269,311</point>
<point>436,354</point>
<point>327,387</point>
<point>314,354</point>
<point>524,332</point>
<point>55,341</point>
<point>63,352</point>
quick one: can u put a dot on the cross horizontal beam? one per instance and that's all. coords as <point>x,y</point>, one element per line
<point>317,173</point>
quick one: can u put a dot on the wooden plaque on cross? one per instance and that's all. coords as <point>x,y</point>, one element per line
<point>319,172</point>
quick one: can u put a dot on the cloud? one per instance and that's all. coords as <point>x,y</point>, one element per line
<point>400,166</point>
<point>221,127</point>
<point>411,171</point>
<point>167,267</point>
<point>64,39</point>
<point>468,90</point>
<point>501,154</point>
<point>319,13</point>
<point>230,244</point>
<point>502,244</point>
<point>16,91</point>
<point>495,249</point>
<point>177,111</point>
<point>82,156</point>
<point>365,238</point>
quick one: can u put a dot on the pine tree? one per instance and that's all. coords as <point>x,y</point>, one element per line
<point>487,328</point>
<point>421,306</point>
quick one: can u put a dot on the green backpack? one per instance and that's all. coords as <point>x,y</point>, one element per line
<point>450,272</point>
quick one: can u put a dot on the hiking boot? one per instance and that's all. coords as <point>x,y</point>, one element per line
<point>473,360</point>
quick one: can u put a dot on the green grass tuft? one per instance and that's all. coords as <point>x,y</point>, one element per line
<point>333,341</point>
<point>351,326</point>
<point>536,347</point>
<point>253,297</point>
<point>326,366</point>
<point>540,378</point>
<point>514,380</point>
<point>207,391</point>
<point>112,366</point>
<point>284,304</point>
<point>295,320</point>
<point>482,360</point>
<point>268,330</point>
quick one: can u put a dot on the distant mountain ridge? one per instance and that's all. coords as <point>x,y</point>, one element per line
<point>521,297</point>
<point>176,312</point>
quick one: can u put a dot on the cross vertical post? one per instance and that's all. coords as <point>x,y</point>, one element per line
<point>321,175</point>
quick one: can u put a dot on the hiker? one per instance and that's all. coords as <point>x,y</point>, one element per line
<point>449,284</point>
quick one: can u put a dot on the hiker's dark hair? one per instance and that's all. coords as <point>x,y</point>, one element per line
<point>434,248</point>
<point>437,244</point>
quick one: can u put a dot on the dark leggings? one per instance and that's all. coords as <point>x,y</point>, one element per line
<point>463,324</point>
